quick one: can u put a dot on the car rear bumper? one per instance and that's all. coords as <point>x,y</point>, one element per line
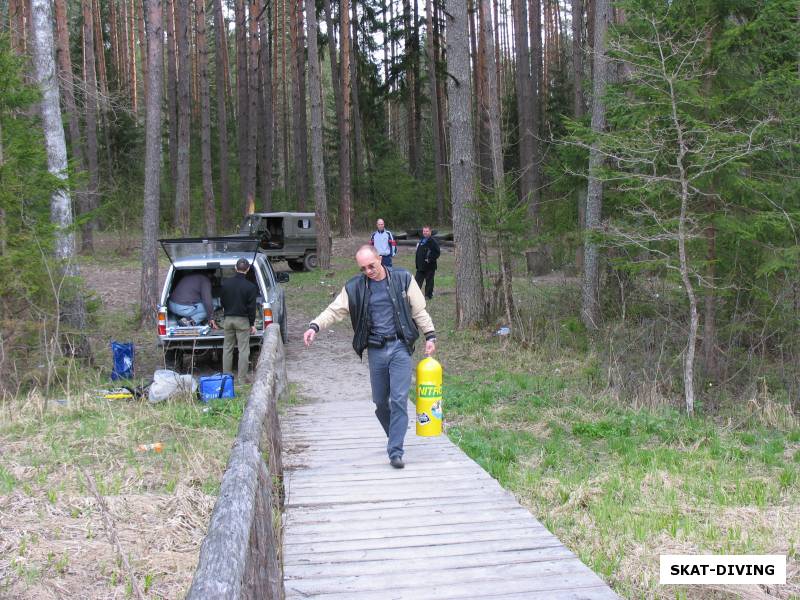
<point>205,342</point>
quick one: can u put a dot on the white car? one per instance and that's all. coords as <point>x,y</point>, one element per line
<point>217,257</point>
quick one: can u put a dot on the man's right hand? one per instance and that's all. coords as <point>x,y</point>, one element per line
<point>308,336</point>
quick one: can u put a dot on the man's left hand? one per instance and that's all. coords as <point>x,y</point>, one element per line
<point>252,329</point>
<point>430,347</point>
<point>213,324</point>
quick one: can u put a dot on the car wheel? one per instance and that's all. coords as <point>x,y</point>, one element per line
<point>296,265</point>
<point>310,261</point>
<point>284,330</point>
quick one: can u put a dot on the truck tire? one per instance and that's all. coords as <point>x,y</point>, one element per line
<point>284,330</point>
<point>310,261</point>
<point>296,265</point>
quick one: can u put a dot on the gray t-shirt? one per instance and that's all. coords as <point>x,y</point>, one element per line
<point>381,312</point>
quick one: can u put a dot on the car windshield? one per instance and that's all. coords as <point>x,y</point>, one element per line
<point>210,248</point>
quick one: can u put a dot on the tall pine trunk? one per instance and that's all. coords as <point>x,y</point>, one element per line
<point>100,52</point>
<point>242,105</point>
<point>317,156</point>
<point>524,88</point>
<point>253,93</point>
<point>537,101</point>
<point>72,312</point>
<point>345,199</point>
<point>182,214</point>
<point>142,44</point>
<point>590,291</point>
<point>90,104</point>
<point>68,92</point>
<point>152,163</point>
<point>434,94</point>
<point>268,120</point>
<point>469,281</point>
<point>210,209</point>
<point>578,109</point>
<point>411,131</point>
<point>299,116</point>
<point>496,153</point>
<point>222,115</point>
<point>359,153</point>
<point>172,89</point>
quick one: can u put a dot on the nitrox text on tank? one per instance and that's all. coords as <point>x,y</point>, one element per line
<point>429,397</point>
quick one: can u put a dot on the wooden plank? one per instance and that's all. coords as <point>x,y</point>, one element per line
<point>409,553</point>
<point>458,576</point>
<point>430,564</point>
<point>302,479</point>
<point>480,583</point>
<point>399,531</point>
<point>408,523</point>
<point>389,508</point>
<point>411,540</point>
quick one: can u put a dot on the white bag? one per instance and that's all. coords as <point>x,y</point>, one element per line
<point>167,384</point>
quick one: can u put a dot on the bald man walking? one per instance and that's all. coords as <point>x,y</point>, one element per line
<point>387,311</point>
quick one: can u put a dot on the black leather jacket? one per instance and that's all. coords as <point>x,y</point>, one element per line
<point>358,300</point>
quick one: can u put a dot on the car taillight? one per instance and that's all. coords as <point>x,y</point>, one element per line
<point>162,321</point>
<point>266,308</point>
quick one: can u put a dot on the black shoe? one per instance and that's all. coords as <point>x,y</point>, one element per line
<point>397,462</point>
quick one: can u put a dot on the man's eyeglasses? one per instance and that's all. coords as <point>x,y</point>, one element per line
<point>371,267</point>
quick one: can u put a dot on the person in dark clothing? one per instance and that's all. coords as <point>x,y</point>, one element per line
<point>191,299</point>
<point>238,297</point>
<point>428,253</point>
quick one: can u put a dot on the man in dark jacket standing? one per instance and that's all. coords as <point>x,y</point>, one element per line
<point>238,297</point>
<point>387,311</point>
<point>427,254</point>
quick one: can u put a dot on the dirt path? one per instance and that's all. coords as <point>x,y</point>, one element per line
<point>329,370</point>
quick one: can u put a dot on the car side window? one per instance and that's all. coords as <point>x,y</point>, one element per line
<point>304,223</point>
<point>265,274</point>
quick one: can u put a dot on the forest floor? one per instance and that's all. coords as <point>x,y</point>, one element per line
<point>619,482</point>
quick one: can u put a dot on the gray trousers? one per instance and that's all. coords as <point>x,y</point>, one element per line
<point>237,333</point>
<point>390,377</point>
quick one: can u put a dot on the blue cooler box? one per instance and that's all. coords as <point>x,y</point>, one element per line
<point>216,386</point>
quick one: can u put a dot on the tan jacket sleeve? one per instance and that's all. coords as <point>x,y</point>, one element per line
<point>418,312</point>
<point>335,312</point>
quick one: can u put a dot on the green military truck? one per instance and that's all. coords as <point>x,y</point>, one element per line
<point>289,236</point>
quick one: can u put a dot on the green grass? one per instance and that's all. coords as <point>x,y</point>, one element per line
<point>608,479</point>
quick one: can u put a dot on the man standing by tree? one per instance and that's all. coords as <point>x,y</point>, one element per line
<point>238,297</point>
<point>386,310</point>
<point>384,243</point>
<point>428,253</point>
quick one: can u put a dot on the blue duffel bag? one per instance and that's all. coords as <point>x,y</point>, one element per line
<point>123,353</point>
<point>216,386</point>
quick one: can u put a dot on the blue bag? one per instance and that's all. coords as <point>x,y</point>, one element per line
<point>216,386</point>
<point>123,360</point>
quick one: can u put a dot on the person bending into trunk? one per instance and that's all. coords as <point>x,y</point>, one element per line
<point>387,311</point>
<point>191,299</point>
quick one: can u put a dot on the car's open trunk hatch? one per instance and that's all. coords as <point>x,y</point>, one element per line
<point>209,250</point>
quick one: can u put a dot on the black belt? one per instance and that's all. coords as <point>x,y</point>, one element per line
<point>389,338</point>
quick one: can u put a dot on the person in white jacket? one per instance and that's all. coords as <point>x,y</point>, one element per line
<point>384,243</point>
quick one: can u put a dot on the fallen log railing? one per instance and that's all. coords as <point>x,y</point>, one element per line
<point>240,555</point>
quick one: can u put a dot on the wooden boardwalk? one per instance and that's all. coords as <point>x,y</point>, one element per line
<point>442,528</point>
